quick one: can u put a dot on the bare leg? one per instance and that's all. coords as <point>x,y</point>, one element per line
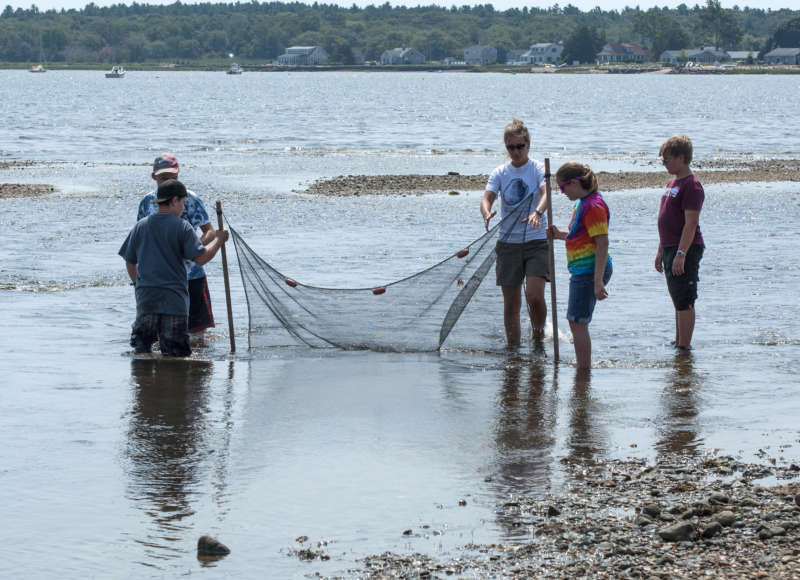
<point>677,330</point>
<point>537,307</point>
<point>512,303</point>
<point>583,344</point>
<point>685,327</point>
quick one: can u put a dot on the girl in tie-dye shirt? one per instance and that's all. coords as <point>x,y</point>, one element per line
<point>587,252</point>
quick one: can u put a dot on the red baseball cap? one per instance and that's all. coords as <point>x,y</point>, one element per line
<point>165,163</point>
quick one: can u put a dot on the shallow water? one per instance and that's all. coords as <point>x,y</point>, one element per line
<point>114,465</point>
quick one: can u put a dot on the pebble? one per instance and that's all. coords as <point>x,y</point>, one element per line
<point>712,529</point>
<point>679,532</point>
<point>652,509</point>
<point>725,518</point>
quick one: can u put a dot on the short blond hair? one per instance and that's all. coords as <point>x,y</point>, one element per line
<point>675,146</point>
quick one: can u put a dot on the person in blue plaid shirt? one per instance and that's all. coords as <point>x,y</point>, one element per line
<point>165,167</point>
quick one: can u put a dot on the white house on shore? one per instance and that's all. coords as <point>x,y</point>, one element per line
<point>479,54</point>
<point>402,56</point>
<point>738,56</point>
<point>303,55</point>
<point>622,52</point>
<point>783,56</point>
<point>543,53</point>
<point>514,56</point>
<point>706,54</point>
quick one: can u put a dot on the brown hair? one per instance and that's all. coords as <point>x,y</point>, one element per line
<point>516,128</point>
<point>575,170</point>
<point>675,146</point>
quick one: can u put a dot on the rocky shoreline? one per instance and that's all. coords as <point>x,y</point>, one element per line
<point>680,517</point>
<point>16,190</point>
<point>715,171</point>
<point>9,190</point>
<point>416,184</point>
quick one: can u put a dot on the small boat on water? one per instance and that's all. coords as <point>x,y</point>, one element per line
<point>38,68</point>
<point>235,69</point>
<point>116,72</point>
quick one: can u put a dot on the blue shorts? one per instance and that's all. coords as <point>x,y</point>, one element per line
<point>581,296</point>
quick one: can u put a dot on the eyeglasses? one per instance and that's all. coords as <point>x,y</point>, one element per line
<point>517,147</point>
<point>564,184</point>
<point>665,160</point>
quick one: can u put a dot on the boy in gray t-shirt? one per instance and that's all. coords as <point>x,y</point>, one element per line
<point>154,254</point>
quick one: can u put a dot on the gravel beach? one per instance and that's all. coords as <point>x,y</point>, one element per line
<point>680,516</point>
<point>415,184</point>
<point>717,171</point>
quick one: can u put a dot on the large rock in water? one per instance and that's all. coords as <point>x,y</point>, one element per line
<point>208,546</point>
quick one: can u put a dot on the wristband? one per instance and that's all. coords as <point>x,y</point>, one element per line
<point>680,252</point>
<point>539,212</point>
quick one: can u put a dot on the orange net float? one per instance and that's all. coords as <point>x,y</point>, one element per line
<point>377,291</point>
<point>462,253</point>
<point>290,282</point>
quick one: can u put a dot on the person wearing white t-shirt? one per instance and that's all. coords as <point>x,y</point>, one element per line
<point>522,254</point>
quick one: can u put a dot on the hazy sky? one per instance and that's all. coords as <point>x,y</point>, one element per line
<point>498,4</point>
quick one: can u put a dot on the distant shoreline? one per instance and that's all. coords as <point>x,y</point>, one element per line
<point>651,68</point>
<point>718,172</point>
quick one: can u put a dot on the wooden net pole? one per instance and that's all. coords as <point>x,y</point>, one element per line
<point>227,281</point>
<point>551,260</point>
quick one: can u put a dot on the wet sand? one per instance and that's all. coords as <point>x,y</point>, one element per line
<point>681,517</point>
<point>709,172</point>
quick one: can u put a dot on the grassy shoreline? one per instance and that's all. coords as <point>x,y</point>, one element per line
<point>648,68</point>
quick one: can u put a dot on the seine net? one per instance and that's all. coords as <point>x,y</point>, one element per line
<point>416,313</point>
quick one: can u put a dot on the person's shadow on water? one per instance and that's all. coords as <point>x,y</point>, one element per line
<point>678,428</point>
<point>527,409</point>
<point>166,447</point>
<point>586,441</point>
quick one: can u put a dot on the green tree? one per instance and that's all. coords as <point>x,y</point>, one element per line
<point>135,47</point>
<point>787,35</point>
<point>582,45</point>
<point>54,40</point>
<point>719,25</point>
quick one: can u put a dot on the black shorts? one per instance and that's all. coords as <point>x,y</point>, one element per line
<point>168,329</point>
<point>683,289</point>
<point>200,315</point>
<point>515,262</point>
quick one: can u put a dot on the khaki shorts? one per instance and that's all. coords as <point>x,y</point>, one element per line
<point>515,262</point>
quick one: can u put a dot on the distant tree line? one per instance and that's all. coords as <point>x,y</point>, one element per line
<point>254,31</point>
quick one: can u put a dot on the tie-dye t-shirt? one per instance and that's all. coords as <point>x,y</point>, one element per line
<point>590,218</point>
<point>194,212</point>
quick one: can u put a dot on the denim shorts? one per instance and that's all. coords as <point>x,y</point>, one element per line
<point>581,296</point>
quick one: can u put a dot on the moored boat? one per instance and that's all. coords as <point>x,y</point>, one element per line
<point>38,68</point>
<point>116,72</point>
<point>235,69</point>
